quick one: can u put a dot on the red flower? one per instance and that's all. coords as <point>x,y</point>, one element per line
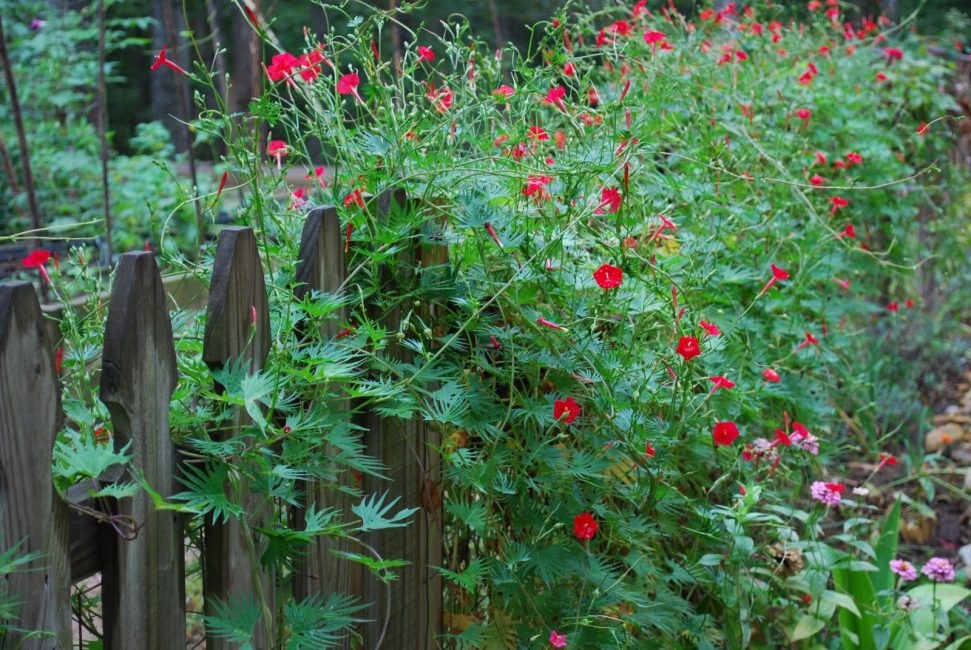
<point>809,340</point>
<point>854,158</point>
<point>425,54</point>
<point>804,114</point>
<point>568,408</point>
<point>585,526</point>
<point>710,328</point>
<point>817,180</point>
<point>849,231</point>
<point>720,382</point>
<point>36,260</point>
<point>777,274</point>
<point>347,85</point>
<point>665,224</point>
<point>648,449</point>
<point>537,133</point>
<point>550,324</point>
<point>838,202</point>
<point>569,69</point>
<point>504,91</point>
<point>609,277</point>
<point>893,307</point>
<point>555,96</point>
<point>281,66</point>
<point>653,38</point>
<point>771,375</point>
<point>688,347</point>
<point>161,59</point>
<point>492,233</point>
<point>725,433</point>
<point>277,149</point>
<point>610,198</point>
<point>58,360</point>
<point>354,198</point>
<point>893,53</point>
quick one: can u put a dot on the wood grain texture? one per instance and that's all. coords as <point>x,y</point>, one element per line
<point>237,291</point>
<point>321,267</point>
<point>143,585</point>
<point>30,509</point>
<point>414,619</point>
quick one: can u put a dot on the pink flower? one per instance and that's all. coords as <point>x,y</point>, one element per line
<point>557,640</point>
<point>893,53</point>
<point>425,54</point>
<point>828,493</point>
<point>609,277</point>
<point>568,408</point>
<point>585,526</point>
<point>725,433</point>
<point>803,439</point>
<point>938,569</point>
<point>904,569</point>
<point>688,347</point>
<point>504,91</point>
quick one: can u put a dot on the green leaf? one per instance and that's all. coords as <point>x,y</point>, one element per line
<point>372,511</point>
<point>841,600</point>
<point>886,551</point>
<point>807,626</point>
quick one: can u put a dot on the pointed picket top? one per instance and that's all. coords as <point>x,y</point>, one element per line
<point>320,265</point>
<point>143,581</point>
<point>31,513</point>
<point>238,310</point>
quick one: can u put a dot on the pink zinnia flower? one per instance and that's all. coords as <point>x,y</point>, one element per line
<point>829,493</point>
<point>938,569</point>
<point>904,569</point>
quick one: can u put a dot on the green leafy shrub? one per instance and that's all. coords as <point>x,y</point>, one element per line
<point>681,257</point>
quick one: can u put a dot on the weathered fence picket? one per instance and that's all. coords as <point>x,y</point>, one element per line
<point>143,583</point>
<point>412,615</point>
<point>321,267</point>
<point>237,331</point>
<point>31,514</point>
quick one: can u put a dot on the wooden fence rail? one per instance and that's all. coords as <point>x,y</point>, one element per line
<point>143,575</point>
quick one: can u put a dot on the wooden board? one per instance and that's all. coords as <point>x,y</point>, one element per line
<point>236,294</point>
<point>30,510</point>
<point>143,583</point>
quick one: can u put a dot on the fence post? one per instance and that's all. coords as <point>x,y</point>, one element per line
<point>237,305</point>
<point>414,619</point>
<point>321,267</point>
<point>30,509</point>
<point>143,584</point>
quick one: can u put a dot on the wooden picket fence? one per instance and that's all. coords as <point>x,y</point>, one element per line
<point>143,574</point>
